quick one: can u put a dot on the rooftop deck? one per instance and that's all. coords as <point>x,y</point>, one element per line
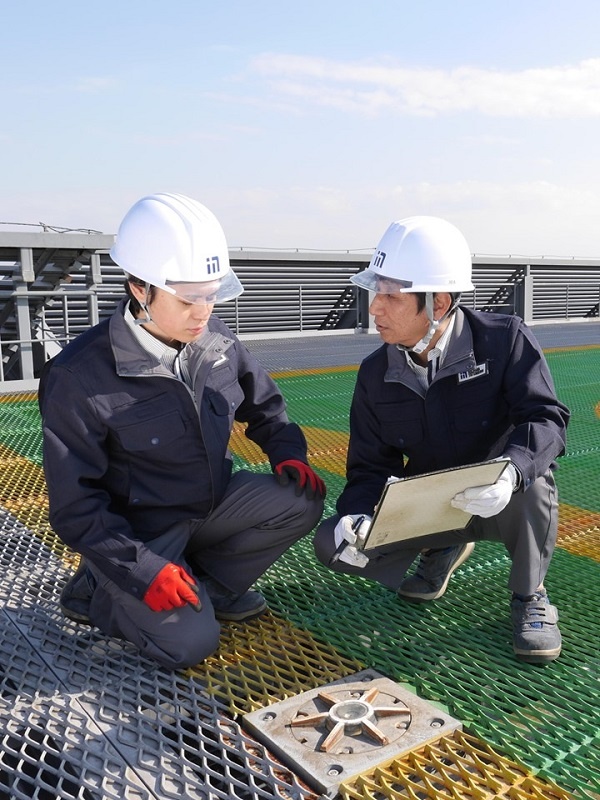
<point>83,716</point>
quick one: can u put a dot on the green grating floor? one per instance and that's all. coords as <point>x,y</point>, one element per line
<point>529,731</point>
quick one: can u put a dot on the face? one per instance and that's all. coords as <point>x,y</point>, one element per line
<point>175,318</point>
<point>397,318</point>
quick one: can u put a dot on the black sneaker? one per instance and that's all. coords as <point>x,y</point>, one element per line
<point>536,636</point>
<point>230,607</point>
<point>433,572</point>
<point>76,595</point>
<point>245,606</point>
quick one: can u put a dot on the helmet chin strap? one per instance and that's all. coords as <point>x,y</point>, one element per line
<point>145,309</point>
<point>434,324</point>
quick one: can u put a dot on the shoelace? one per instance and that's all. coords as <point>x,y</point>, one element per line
<point>536,597</point>
<point>426,558</point>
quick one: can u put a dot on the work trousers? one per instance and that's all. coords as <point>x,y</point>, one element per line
<point>255,523</point>
<point>527,527</point>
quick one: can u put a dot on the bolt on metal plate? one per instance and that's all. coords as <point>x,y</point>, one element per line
<point>329,734</point>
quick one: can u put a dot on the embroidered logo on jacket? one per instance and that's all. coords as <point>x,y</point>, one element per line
<point>475,372</point>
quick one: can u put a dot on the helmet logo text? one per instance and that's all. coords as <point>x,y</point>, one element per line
<point>212,265</point>
<point>378,259</point>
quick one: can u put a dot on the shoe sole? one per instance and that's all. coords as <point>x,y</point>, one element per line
<point>224,616</point>
<point>426,598</point>
<point>75,617</point>
<point>537,656</point>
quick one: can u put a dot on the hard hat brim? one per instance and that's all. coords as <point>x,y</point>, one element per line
<point>371,280</point>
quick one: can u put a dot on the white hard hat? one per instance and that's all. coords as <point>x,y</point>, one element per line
<point>423,254</point>
<point>173,242</point>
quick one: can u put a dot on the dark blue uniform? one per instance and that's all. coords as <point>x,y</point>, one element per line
<point>139,474</point>
<point>493,396</point>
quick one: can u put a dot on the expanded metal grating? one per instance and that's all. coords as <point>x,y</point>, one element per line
<point>82,716</point>
<point>457,767</point>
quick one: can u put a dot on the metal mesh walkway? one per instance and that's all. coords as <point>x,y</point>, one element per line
<point>83,716</point>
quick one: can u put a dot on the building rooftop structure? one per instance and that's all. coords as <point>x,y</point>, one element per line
<point>453,716</point>
<point>84,717</point>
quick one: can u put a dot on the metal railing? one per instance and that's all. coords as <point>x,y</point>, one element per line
<point>302,295</point>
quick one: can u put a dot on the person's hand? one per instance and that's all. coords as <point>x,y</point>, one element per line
<point>487,501</point>
<point>172,588</point>
<point>350,530</point>
<point>305,478</point>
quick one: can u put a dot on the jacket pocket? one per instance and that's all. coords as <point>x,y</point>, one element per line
<point>400,425</point>
<point>151,434</point>
<point>226,401</point>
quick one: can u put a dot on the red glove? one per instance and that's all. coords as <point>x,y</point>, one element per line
<point>306,479</point>
<point>172,588</point>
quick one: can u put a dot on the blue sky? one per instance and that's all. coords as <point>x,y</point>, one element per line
<point>309,125</point>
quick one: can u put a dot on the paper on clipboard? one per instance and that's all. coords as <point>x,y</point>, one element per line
<point>420,505</point>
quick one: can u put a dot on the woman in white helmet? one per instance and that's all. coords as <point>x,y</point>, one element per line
<point>451,387</point>
<point>139,474</point>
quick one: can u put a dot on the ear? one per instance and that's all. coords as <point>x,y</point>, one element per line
<point>442,302</point>
<point>139,292</point>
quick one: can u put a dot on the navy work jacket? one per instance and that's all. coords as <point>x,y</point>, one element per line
<point>493,396</point>
<point>130,450</point>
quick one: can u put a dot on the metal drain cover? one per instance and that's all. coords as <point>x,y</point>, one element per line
<point>331,733</point>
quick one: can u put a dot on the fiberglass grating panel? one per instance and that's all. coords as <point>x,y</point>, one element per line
<point>456,767</point>
<point>468,641</point>
<point>186,744</point>
<point>168,732</point>
<point>48,748</point>
<point>48,752</point>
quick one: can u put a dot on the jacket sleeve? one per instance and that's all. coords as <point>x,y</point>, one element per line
<point>370,461</point>
<point>540,420</point>
<point>75,458</point>
<point>263,409</point>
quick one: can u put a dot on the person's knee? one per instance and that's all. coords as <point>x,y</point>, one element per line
<point>324,541</point>
<point>186,645</point>
<point>314,510</point>
<point>302,513</point>
<point>191,655</point>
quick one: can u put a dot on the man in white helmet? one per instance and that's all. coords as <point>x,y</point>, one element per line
<point>451,387</point>
<point>137,414</point>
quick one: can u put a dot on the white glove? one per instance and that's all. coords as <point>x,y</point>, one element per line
<point>351,529</point>
<point>487,501</point>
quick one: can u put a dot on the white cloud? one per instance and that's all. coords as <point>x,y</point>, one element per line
<point>93,85</point>
<point>546,92</point>
<point>533,218</point>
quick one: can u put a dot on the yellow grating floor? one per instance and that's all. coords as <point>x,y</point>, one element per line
<point>268,660</point>
<point>457,767</point>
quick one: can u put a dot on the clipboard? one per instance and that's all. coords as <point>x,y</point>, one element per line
<point>420,505</point>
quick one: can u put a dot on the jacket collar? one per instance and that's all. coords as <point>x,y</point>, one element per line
<point>459,356</point>
<point>132,360</point>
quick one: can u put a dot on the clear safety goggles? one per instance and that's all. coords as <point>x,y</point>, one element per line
<point>375,282</point>
<point>206,292</point>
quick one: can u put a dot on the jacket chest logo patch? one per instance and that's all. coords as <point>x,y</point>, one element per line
<point>475,372</point>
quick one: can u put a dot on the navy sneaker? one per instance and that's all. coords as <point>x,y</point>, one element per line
<point>230,607</point>
<point>434,570</point>
<point>241,607</point>
<point>536,636</point>
<point>76,595</point>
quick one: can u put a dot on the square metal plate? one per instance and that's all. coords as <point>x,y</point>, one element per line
<point>329,734</point>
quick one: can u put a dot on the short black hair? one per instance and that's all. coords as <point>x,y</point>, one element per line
<point>134,304</point>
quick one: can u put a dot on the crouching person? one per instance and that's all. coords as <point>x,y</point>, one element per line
<point>137,413</point>
<point>448,388</point>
